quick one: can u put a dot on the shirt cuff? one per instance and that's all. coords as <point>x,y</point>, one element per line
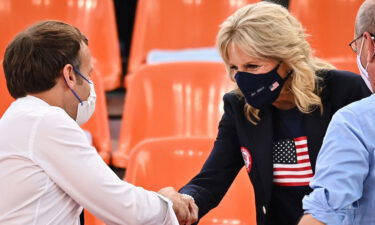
<point>167,210</point>
<point>317,205</point>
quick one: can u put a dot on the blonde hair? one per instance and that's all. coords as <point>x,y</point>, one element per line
<point>268,30</point>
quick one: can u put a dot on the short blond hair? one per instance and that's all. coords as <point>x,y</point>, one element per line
<point>268,30</point>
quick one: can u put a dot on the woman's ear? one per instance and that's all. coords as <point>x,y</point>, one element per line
<point>69,76</point>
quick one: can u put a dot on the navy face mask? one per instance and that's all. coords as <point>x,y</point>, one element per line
<point>260,90</point>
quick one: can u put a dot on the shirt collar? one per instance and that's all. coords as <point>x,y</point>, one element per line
<point>30,98</point>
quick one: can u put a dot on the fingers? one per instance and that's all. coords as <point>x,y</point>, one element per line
<point>182,211</point>
<point>193,209</point>
<point>181,206</point>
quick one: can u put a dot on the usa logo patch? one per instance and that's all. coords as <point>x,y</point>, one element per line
<point>247,158</point>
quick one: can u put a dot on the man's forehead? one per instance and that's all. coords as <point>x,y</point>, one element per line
<point>85,55</point>
<point>84,50</point>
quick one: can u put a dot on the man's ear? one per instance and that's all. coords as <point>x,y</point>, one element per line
<point>370,46</point>
<point>69,76</point>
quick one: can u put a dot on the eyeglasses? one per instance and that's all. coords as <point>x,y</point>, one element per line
<point>353,44</point>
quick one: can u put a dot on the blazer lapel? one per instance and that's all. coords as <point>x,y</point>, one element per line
<point>260,144</point>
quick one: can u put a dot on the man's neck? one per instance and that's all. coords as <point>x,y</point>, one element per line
<point>52,97</point>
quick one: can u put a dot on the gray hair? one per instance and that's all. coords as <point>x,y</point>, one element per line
<point>365,20</point>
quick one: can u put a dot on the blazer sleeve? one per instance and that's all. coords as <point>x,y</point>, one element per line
<point>222,166</point>
<point>345,87</point>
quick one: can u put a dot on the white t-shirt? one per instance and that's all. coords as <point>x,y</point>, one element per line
<point>48,171</point>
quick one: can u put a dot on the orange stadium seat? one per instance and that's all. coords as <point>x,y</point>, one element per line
<point>157,163</point>
<point>90,219</point>
<point>172,99</point>
<point>177,25</point>
<point>331,25</point>
<point>95,18</point>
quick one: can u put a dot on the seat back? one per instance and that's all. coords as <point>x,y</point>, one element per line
<point>157,163</point>
<point>331,25</point>
<point>90,219</point>
<point>172,99</point>
<point>95,18</point>
<point>177,25</point>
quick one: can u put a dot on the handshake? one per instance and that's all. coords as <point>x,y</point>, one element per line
<point>183,205</point>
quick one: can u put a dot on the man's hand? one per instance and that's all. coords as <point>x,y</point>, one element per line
<point>184,207</point>
<point>308,219</point>
<point>193,208</point>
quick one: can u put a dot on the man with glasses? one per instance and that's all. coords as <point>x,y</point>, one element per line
<point>354,46</point>
<point>344,182</point>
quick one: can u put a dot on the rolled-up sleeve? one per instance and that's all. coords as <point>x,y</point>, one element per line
<point>342,167</point>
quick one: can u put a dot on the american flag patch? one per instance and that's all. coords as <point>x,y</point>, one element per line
<point>291,162</point>
<point>274,86</point>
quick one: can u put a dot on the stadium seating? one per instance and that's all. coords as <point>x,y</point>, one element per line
<point>172,99</point>
<point>95,18</point>
<point>157,163</point>
<point>90,219</point>
<point>331,25</point>
<point>180,24</point>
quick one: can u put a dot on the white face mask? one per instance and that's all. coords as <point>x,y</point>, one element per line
<point>86,108</point>
<point>362,70</point>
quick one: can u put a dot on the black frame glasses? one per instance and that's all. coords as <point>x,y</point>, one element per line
<point>353,44</point>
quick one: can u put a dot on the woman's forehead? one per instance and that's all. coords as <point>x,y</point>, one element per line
<point>237,53</point>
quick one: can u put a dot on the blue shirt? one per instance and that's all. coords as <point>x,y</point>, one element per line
<point>344,182</point>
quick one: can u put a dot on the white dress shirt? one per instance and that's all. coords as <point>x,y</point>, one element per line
<point>48,171</point>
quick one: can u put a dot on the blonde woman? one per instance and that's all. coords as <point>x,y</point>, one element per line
<point>274,123</point>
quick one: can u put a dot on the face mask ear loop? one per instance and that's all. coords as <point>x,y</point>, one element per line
<point>372,38</point>
<point>373,54</point>
<point>278,65</point>
<point>74,93</point>
<point>80,74</point>
<point>360,52</point>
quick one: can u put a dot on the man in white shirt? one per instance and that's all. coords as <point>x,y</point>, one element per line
<point>48,169</point>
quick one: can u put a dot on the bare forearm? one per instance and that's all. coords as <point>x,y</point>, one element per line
<point>308,219</point>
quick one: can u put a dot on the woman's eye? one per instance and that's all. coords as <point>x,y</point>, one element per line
<point>233,68</point>
<point>252,66</point>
